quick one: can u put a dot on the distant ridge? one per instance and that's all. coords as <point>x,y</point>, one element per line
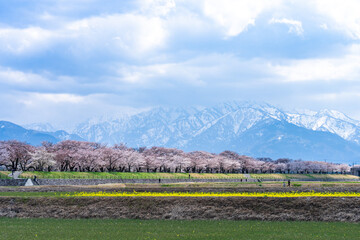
<point>257,130</point>
<point>11,131</point>
<point>237,126</point>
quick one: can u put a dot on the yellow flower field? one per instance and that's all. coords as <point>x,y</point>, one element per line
<point>212,194</point>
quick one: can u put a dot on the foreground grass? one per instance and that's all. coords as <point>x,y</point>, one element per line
<point>173,229</point>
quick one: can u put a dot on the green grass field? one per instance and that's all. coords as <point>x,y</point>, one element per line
<point>303,176</point>
<point>173,229</point>
<point>31,194</point>
<point>125,175</point>
<point>143,175</point>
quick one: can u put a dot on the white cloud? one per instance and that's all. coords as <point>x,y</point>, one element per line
<point>348,95</point>
<point>57,97</point>
<point>27,40</point>
<point>202,71</point>
<point>324,69</point>
<point>343,15</point>
<point>18,78</point>
<point>12,79</point>
<point>160,75</point>
<point>235,16</point>
<point>294,26</point>
<point>156,7</point>
<point>324,26</point>
<point>354,49</point>
<point>58,108</point>
<point>63,110</point>
<point>117,34</point>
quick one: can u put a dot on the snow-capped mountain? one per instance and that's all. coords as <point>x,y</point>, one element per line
<point>41,127</point>
<point>11,131</point>
<point>175,126</point>
<point>227,127</point>
<point>328,121</point>
<point>258,130</point>
<point>47,128</point>
<point>236,117</point>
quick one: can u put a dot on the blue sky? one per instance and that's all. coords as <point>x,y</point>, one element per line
<point>64,61</point>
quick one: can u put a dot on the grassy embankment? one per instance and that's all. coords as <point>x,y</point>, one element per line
<point>4,175</point>
<point>174,229</point>
<point>143,175</point>
<point>126,175</point>
<point>304,176</point>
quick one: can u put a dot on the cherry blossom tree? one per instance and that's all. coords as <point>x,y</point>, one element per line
<point>42,160</point>
<point>109,159</point>
<point>198,160</point>
<point>88,156</point>
<point>15,155</point>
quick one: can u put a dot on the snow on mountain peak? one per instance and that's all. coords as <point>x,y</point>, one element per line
<point>176,126</point>
<point>336,114</point>
<point>327,121</point>
<point>42,127</point>
<point>252,128</point>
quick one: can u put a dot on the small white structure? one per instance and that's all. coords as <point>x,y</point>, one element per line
<point>29,183</point>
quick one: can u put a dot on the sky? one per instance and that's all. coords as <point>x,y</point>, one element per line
<point>63,61</point>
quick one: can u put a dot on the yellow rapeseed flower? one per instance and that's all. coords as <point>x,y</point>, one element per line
<point>212,194</point>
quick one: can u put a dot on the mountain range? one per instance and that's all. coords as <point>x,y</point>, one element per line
<point>11,131</point>
<point>258,130</point>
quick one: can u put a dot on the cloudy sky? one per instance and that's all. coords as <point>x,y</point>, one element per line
<point>63,61</point>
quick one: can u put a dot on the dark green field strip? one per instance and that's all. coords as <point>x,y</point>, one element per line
<point>31,194</point>
<point>144,175</point>
<point>11,228</point>
<point>125,175</point>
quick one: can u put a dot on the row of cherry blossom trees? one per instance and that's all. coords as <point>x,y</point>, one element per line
<point>93,157</point>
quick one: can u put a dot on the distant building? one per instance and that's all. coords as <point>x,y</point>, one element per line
<point>355,170</point>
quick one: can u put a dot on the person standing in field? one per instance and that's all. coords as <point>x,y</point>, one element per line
<point>289,183</point>
<point>35,180</point>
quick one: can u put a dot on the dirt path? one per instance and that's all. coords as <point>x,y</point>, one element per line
<point>247,176</point>
<point>15,175</point>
